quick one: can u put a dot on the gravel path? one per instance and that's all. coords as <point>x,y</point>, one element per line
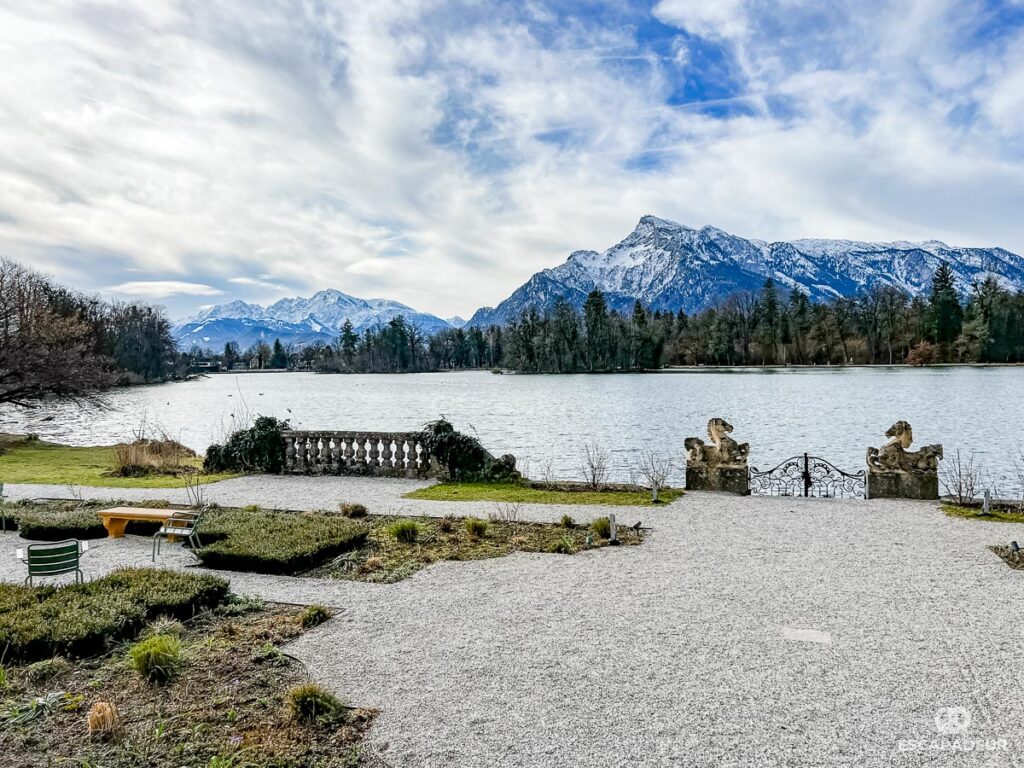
<point>382,496</point>
<point>743,632</point>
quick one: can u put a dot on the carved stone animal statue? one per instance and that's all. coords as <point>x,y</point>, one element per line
<point>723,450</point>
<point>894,456</point>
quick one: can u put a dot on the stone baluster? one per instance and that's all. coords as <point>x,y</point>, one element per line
<point>335,455</point>
<point>289,453</point>
<point>360,449</point>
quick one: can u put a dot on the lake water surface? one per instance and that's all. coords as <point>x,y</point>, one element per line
<point>545,420</point>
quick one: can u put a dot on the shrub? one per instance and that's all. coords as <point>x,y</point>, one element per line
<point>446,524</point>
<point>463,456</point>
<point>146,457</point>
<point>354,510</point>
<point>241,605</point>
<point>314,615</point>
<point>270,654</point>
<point>102,719</point>
<point>923,353</point>
<point>257,449</point>
<point>476,527</point>
<point>46,524</point>
<point>275,542</point>
<point>87,619</point>
<point>310,703</point>
<point>405,531</point>
<point>563,546</point>
<point>602,526</point>
<point>165,626</point>
<point>567,522</point>
<point>156,658</point>
<point>44,671</point>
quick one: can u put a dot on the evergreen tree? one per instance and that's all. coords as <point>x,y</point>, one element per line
<point>230,356</point>
<point>278,358</point>
<point>595,320</point>
<point>347,342</point>
<point>946,314</point>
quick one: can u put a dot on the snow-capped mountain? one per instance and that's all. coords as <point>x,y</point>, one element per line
<point>294,321</point>
<point>668,266</point>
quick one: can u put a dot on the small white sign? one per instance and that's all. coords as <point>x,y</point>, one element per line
<point>806,635</point>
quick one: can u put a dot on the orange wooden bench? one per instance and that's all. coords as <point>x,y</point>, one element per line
<point>116,518</point>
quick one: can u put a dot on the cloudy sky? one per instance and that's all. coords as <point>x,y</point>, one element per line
<point>439,153</point>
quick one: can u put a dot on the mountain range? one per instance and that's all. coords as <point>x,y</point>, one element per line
<point>294,321</point>
<point>668,266</point>
<point>664,265</point>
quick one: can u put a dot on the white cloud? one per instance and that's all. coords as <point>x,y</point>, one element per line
<point>438,152</point>
<point>723,19</point>
<point>162,289</point>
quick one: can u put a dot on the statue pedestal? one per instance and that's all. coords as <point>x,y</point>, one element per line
<point>901,485</point>
<point>725,478</point>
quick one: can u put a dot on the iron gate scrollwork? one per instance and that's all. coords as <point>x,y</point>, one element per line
<point>807,476</point>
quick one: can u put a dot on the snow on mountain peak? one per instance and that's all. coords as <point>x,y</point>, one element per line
<point>298,320</point>
<point>669,266</point>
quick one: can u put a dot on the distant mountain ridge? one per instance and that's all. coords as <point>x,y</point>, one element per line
<point>297,321</point>
<point>669,266</point>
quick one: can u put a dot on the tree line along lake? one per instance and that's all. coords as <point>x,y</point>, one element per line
<point>833,412</point>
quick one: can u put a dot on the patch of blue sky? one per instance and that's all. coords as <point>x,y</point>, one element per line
<point>998,20</point>
<point>474,133</point>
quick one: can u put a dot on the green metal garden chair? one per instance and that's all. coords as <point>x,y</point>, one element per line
<point>53,559</point>
<point>180,525</point>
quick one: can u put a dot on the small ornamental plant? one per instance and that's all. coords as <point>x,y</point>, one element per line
<point>405,531</point>
<point>311,703</point>
<point>476,527</point>
<point>314,615</point>
<point>156,658</point>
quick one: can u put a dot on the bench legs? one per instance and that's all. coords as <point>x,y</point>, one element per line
<point>115,526</point>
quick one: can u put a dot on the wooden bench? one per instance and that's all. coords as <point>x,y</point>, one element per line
<point>116,518</point>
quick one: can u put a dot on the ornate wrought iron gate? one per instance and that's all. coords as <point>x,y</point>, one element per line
<point>806,476</point>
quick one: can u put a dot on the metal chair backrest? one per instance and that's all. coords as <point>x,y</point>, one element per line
<point>53,559</point>
<point>185,519</point>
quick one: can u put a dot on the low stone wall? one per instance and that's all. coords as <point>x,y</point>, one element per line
<point>393,454</point>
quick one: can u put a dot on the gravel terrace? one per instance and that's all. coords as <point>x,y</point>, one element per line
<point>743,632</point>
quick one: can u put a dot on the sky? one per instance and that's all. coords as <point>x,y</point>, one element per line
<point>439,153</point>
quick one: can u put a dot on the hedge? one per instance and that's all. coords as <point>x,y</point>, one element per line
<point>86,619</point>
<point>275,542</point>
<point>47,525</point>
<point>56,521</point>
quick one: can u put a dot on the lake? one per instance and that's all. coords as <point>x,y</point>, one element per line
<point>545,420</point>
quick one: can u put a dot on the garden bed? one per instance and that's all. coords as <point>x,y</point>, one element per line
<point>55,520</point>
<point>274,542</point>
<point>1013,559</point>
<point>543,493</point>
<point>86,619</point>
<point>1002,513</point>
<point>384,558</point>
<point>229,706</point>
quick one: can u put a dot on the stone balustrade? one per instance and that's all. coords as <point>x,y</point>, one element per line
<point>397,454</point>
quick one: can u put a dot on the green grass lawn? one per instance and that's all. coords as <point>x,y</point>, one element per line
<point>521,494</point>
<point>51,464</point>
<point>975,513</point>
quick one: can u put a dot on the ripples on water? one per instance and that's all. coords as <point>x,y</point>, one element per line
<point>831,412</point>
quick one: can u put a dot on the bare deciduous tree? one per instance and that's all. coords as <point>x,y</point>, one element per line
<point>595,465</point>
<point>655,470</point>
<point>961,478</point>
<point>47,342</point>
